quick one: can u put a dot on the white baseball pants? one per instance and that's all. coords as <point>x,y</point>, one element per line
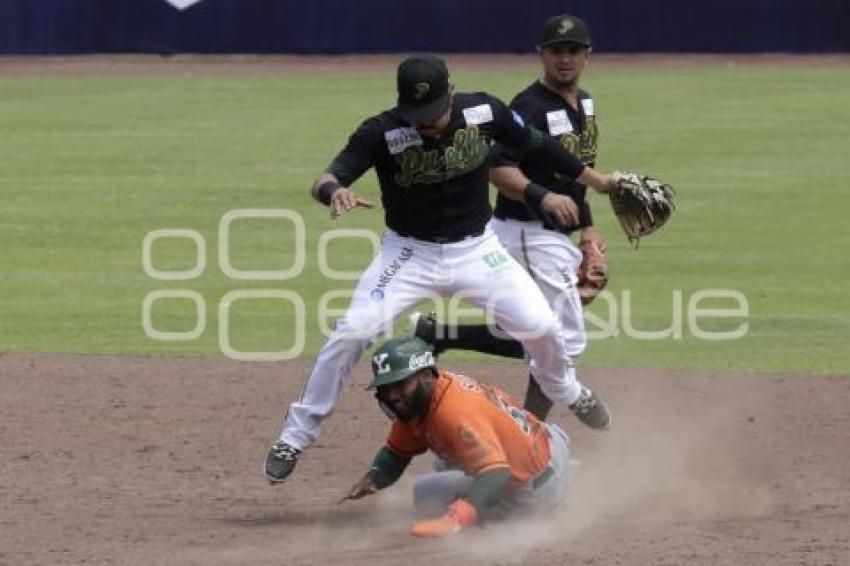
<point>407,271</point>
<point>552,259</point>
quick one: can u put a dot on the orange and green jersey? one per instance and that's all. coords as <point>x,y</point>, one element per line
<point>478,428</point>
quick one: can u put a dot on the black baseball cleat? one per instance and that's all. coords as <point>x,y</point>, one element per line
<point>281,461</point>
<point>425,328</point>
<point>591,410</point>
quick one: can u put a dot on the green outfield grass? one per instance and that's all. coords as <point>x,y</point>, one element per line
<point>90,165</point>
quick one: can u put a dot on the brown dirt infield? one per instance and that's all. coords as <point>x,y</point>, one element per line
<point>109,460</point>
<point>313,64</point>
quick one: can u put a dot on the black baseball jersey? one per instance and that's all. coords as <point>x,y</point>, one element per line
<point>574,128</point>
<point>437,189</point>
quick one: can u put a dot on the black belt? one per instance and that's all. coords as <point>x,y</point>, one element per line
<point>542,477</point>
<point>442,239</point>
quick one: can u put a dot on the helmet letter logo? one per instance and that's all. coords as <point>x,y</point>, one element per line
<point>566,25</point>
<point>379,365</point>
<point>421,90</point>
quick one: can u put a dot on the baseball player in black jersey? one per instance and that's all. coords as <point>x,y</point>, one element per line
<point>542,243</point>
<point>432,155</point>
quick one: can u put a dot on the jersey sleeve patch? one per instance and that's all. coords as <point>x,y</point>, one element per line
<point>587,105</point>
<point>400,139</point>
<point>478,114</point>
<point>559,123</point>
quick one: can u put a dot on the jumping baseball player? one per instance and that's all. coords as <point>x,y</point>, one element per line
<point>432,157</point>
<point>506,461</point>
<point>568,276</point>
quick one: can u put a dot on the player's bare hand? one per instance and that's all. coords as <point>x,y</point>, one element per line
<point>561,208</point>
<point>588,234</point>
<point>346,199</point>
<point>366,486</point>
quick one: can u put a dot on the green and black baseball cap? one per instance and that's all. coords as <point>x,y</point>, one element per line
<point>565,29</point>
<point>398,359</point>
<point>423,88</point>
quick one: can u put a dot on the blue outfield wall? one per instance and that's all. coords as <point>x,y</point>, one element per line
<point>376,26</point>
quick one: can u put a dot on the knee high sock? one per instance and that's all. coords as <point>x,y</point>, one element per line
<point>536,401</point>
<point>475,337</point>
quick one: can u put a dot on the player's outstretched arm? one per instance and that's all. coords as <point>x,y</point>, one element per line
<point>600,181</point>
<point>559,210</point>
<point>569,165</point>
<point>386,468</point>
<point>327,190</point>
<point>367,485</point>
<point>525,140</point>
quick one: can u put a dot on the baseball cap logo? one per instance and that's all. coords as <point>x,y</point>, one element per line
<point>425,359</point>
<point>420,90</point>
<point>566,25</point>
<point>379,365</point>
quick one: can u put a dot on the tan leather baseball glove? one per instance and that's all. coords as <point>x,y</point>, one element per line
<point>593,271</point>
<point>641,203</point>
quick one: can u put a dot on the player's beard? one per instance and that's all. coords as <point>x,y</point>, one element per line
<point>417,405</point>
<point>420,401</point>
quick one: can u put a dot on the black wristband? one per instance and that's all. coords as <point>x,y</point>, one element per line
<point>326,191</point>
<point>533,195</point>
